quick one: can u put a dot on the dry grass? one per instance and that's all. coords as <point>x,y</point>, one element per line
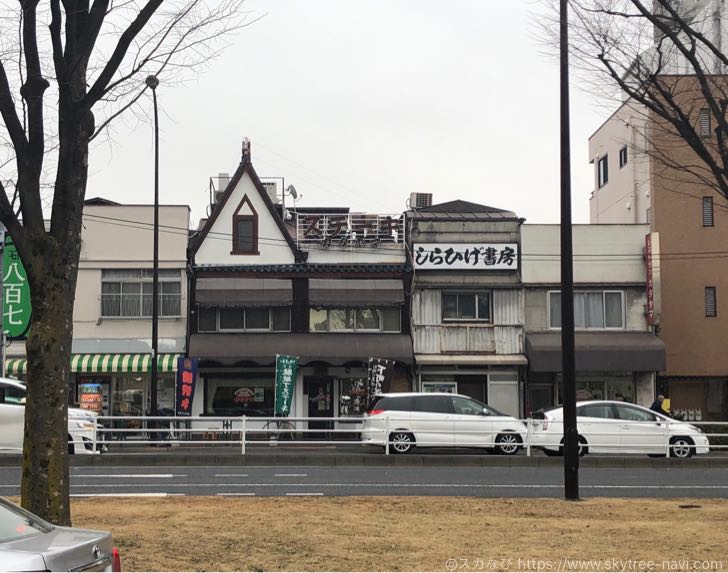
<point>407,534</point>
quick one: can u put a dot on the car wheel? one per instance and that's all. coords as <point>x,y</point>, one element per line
<point>508,444</point>
<point>401,442</point>
<point>70,445</point>
<point>681,447</point>
<point>583,447</point>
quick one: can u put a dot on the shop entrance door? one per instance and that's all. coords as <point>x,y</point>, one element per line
<point>320,403</point>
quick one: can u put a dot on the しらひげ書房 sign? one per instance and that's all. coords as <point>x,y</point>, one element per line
<point>466,256</point>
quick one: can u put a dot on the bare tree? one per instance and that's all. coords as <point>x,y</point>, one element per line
<point>68,69</point>
<point>663,60</point>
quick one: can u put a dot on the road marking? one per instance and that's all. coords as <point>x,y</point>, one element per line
<point>133,476</point>
<point>236,494</point>
<point>231,475</point>
<point>304,494</point>
<point>127,494</point>
<point>291,475</point>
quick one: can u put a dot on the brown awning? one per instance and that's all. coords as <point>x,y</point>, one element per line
<point>335,349</point>
<point>355,292</point>
<point>244,292</point>
<point>598,352</point>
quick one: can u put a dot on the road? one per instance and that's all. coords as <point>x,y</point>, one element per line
<point>346,481</point>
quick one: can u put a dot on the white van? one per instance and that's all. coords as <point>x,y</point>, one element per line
<point>81,423</point>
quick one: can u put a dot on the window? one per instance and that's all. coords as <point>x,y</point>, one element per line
<point>635,414</point>
<point>386,319</point>
<point>596,411</point>
<point>11,395</point>
<point>466,306</point>
<point>449,387</point>
<point>603,171</point>
<point>704,123</point>
<point>251,395</point>
<point>245,229</point>
<point>436,403</point>
<point>244,319</point>
<point>592,310</point>
<point>707,211</point>
<point>711,306</point>
<point>127,293</point>
<point>623,157</point>
<point>467,407</point>
<point>648,215</point>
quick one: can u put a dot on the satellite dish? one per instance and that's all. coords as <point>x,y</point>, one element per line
<point>292,192</point>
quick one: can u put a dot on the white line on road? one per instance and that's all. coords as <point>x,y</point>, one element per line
<point>127,494</point>
<point>291,475</point>
<point>236,494</point>
<point>133,476</point>
<point>304,494</point>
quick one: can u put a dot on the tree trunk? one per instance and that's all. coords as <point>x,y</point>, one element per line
<point>44,487</point>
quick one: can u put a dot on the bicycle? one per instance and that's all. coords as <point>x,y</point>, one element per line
<point>280,429</point>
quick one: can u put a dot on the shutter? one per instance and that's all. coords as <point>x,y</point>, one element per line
<point>710,302</point>
<point>705,123</point>
<point>707,211</point>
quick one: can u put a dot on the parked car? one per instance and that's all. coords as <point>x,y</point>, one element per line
<point>433,419</point>
<point>605,426</point>
<point>81,423</point>
<point>28,543</point>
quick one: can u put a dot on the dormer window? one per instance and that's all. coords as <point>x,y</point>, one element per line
<point>245,229</point>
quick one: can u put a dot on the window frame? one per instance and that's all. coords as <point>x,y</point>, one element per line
<point>708,212</point>
<point>623,156</point>
<point>714,291</point>
<point>604,310</point>
<point>253,217</point>
<point>705,123</point>
<point>602,170</point>
<point>219,330</point>
<point>380,310</point>
<point>145,277</point>
<point>476,294</point>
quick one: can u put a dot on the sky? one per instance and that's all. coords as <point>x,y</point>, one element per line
<point>358,103</point>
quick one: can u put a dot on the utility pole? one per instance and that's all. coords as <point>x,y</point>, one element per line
<point>571,434</point>
<point>153,82</point>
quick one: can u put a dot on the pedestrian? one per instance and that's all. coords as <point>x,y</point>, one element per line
<point>657,406</point>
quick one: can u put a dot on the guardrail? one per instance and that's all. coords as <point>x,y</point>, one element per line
<point>670,438</point>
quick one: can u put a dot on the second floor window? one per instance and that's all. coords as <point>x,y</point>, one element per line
<point>385,319</point>
<point>707,211</point>
<point>704,123</point>
<point>623,157</point>
<point>127,293</point>
<point>603,171</point>
<point>592,310</point>
<point>245,229</point>
<point>473,306</point>
<point>244,319</point>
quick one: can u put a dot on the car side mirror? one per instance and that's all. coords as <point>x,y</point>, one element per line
<point>485,412</point>
<point>22,400</point>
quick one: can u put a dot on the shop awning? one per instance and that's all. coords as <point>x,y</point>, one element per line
<point>355,292</point>
<point>471,359</point>
<point>333,349</point>
<point>105,363</point>
<point>598,352</point>
<point>244,292</point>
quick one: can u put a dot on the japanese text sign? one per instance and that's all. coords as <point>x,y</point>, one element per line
<point>380,375</point>
<point>466,256</point>
<point>186,378</point>
<point>286,372</point>
<point>16,293</point>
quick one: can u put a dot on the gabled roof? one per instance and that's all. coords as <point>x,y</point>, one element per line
<point>99,201</point>
<point>459,209</point>
<point>247,167</point>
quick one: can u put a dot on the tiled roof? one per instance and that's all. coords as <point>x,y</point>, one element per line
<point>307,268</point>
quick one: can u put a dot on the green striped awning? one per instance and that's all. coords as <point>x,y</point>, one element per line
<point>105,363</point>
<point>15,366</point>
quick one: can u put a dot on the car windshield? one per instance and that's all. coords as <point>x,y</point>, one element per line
<point>16,523</point>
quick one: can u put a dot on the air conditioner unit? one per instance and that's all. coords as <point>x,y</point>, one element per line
<point>419,200</point>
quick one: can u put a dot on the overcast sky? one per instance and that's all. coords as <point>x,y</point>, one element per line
<point>360,102</point>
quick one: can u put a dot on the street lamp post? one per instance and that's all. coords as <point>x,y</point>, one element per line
<point>571,435</point>
<point>152,82</point>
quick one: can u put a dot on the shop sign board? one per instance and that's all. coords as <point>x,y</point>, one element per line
<point>90,397</point>
<point>16,293</point>
<point>381,372</point>
<point>286,372</point>
<point>186,379</point>
<point>466,256</point>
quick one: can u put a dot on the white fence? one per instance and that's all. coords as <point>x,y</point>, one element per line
<point>621,436</point>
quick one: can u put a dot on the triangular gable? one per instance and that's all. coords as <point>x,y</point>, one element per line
<point>244,193</point>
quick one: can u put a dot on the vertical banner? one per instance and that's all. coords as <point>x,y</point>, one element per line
<point>381,372</point>
<point>16,293</point>
<point>650,281</point>
<point>186,378</point>
<point>286,372</point>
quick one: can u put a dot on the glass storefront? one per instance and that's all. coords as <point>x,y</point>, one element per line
<point>352,396</point>
<point>240,395</point>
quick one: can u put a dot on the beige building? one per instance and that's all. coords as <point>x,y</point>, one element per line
<point>112,313</point>
<point>637,179</point>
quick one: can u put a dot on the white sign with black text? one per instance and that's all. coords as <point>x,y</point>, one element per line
<point>466,256</point>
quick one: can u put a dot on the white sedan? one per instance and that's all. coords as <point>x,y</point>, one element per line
<point>81,423</point>
<point>618,427</point>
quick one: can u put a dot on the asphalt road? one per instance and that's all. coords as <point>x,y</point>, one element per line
<point>141,481</point>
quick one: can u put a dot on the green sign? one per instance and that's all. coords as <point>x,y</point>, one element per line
<point>16,293</point>
<point>286,371</point>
